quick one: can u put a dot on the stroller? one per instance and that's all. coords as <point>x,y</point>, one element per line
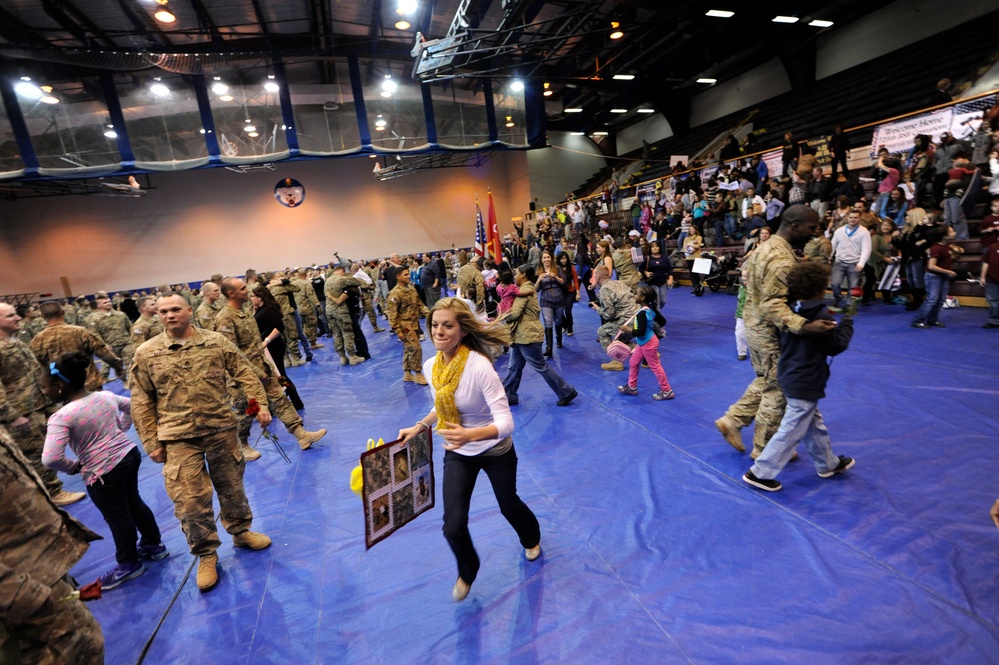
<point>719,276</point>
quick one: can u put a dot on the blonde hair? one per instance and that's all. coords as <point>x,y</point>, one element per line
<point>481,337</point>
<point>913,218</point>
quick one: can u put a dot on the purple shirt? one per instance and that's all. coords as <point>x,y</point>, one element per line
<point>94,428</point>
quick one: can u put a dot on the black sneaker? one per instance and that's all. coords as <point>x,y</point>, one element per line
<point>844,464</point>
<point>153,552</point>
<point>567,400</point>
<point>919,324</point>
<point>761,483</point>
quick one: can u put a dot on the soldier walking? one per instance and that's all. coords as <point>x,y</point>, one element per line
<point>59,338</point>
<point>404,309</point>
<point>115,329</point>
<point>338,315</point>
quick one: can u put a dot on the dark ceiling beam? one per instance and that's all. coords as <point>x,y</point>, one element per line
<point>322,29</point>
<point>143,24</point>
<point>76,23</point>
<point>16,32</point>
<point>373,32</point>
<point>207,24</point>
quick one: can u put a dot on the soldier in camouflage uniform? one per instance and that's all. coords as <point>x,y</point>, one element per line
<point>116,330</point>
<point>147,325</point>
<point>404,309</point>
<point>766,314</point>
<point>819,248</point>
<point>31,323</point>
<point>39,544</point>
<point>23,405</point>
<point>626,271</point>
<point>338,314</point>
<point>241,329</point>
<point>181,410</point>
<point>307,308</point>
<point>471,284</point>
<point>369,296</point>
<point>287,296</point>
<point>59,338</point>
<point>204,314</point>
<point>617,306</point>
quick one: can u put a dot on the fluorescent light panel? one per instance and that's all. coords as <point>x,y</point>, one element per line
<point>572,110</point>
<point>645,110</point>
<point>619,110</point>
<point>785,19</point>
<point>707,80</point>
<point>819,23</point>
<point>624,77</point>
<point>719,13</point>
<point>600,133</point>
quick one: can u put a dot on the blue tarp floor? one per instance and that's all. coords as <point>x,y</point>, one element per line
<point>655,551</point>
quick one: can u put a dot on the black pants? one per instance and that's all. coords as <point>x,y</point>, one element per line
<point>460,472</point>
<point>839,159</point>
<point>360,341</point>
<point>570,300</point>
<point>116,495</point>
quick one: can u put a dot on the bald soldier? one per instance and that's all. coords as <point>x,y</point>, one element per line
<point>23,404</point>
<point>767,314</point>
<point>181,410</point>
<point>241,329</point>
<point>59,338</point>
<point>204,316</point>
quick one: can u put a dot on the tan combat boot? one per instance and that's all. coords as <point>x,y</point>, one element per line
<point>249,452</point>
<point>356,360</point>
<point>407,377</point>
<point>208,576</point>
<point>64,498</point>
<point>307,438</point>
<point>251,540</point>
<point>419,378</point>
<point>730,432</point>
<point>317,345</point>
<point>613,366</point>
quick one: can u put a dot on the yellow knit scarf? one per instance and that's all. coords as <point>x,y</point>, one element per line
<point>446,377</point>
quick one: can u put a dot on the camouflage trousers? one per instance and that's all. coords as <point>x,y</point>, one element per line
<point>369,308</point>
<point>342,329</point>
<point>277,403</point>
<point>763,400</point>
<point>125,353</point>
<point>291,336</point>
<point>69,634</point>
<point>412,352</point>
<point>607,332</point>
<point>31,441</point>
<point>310,322</point>
<point>189,485</point>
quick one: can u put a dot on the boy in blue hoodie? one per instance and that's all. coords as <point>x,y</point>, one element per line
<point>802,373</point>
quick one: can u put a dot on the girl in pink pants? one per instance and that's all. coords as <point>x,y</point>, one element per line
<point>647,344</point>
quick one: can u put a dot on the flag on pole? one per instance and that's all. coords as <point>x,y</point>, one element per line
<point>480,231</point>
<point>494,248</point>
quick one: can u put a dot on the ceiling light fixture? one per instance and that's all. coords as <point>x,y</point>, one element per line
<point>572,110</point>
<point>159,90</point>
<point>225,98</point>
<point>819,23</point>
<point>624,77</point>
<point>645,110</point>
<point>517,85</point>
<point>110,133</point>
<point>252,135</point>
<point>619,110</point>
<point>271,86</point>
<point>249,128</point>
<point>406,6</point>
<point>577,133</point>
<point>509,121</point>
<point>785,19</point>
<point>220,88</point>
<point>28,89</point>
<point>719,13</point>
<point>705,80</point>
<point>49,99</point>
<point>402,24</point>
<point>616,32</point>
<point>600,133</point>
<point>548,90</point>
<point>164,15</point>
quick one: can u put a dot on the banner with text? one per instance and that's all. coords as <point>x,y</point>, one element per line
<point>960,120</point>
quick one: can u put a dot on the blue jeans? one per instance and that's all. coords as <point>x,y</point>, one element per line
<point>802,422</point>
<point>847,271</point>
<point>992,297</point>
<point>954,217</point>
<point>301,336</point>
<point>460,472</point>
<point>936,294</point>
<point>914,269</point>
<point>520,355</point>
<point>551,315</point>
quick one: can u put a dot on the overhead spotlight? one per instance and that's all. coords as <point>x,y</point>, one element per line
<point>785,19</point>
<point>252,135</point>
<point>164,15</point>
<point>202,130</point>
<point>706,80</point>
<point>548,90</point>
<point>577,133</point>
<point>509,121</point>
<point>819,23</point>
<point>406,7</point>
<point>28,89</point>
<point>220,88</point>
<point>159,90</point>
<point>624,77</point>
<point>249,128</point>
<point>572,110</point>
<point>49,99</point>
<point>719,13</point>
<point>388,85</point>
<point>47,89</point>
<point>600,133</point>
<point>110,133</point>
<point>619,110</point>
<point>271,86</point>
<point>225,98</point>
<point>402,24</point>
<point>517,85</point>
<point>616,32</point>
<point>645,110</point>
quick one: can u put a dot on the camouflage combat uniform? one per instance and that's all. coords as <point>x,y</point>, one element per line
<point>204,315</point>
<point>59,339</point>
<point>241,329</point>
<point>30,328</point>
<point>115,329</point>
<point>307,309</point>
<point>338,316</point>
<point>39,544</point>
<point>626,270</point>
<point>617,306</point>
<point>472,285</point>
<point>21,395</point>
<point>144,329</point>
<point>819,250</point>
<point>404,309</point>
<point>287,296</point>
<point>766,315</point>
<point>180,402</point>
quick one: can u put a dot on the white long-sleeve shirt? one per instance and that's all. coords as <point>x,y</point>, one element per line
<point>851,245</point>
<point>480,399</point>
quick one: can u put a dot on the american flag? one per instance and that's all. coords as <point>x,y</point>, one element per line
<point>480,231</point>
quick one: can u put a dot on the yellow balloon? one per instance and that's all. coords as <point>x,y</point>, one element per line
<point>356,480</point>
